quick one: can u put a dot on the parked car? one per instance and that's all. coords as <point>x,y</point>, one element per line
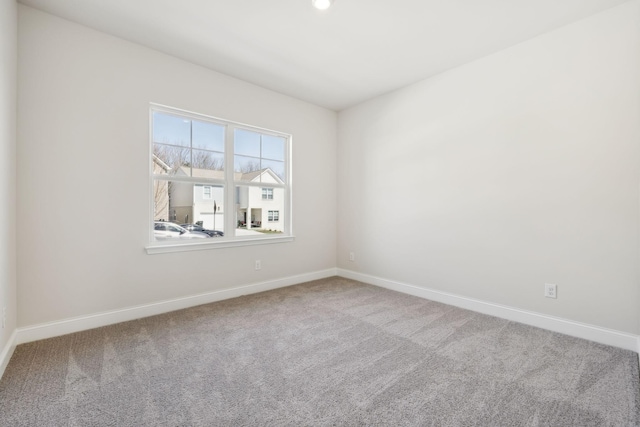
<point>163,230</point>
<point>195,227</point>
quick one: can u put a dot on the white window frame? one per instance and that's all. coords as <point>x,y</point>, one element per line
<point>267,195</point>
<point>273,216</point>
<point>230,221</point>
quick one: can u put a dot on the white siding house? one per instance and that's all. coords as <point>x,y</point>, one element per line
<point>208,206</point>
<point>260,207</point>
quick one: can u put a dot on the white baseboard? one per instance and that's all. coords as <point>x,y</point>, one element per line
<point>7,352</point>
<point>638,351</point>
<point>555,324</point>
<point>81,323</point>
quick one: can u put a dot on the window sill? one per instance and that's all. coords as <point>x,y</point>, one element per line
<point>163,248</point>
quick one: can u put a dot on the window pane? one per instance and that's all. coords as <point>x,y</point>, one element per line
<point>276,167</point>
<point>161,201</point>
<point>208,136</point>
<point>246,143</point>
<point>246,168</point>
<point>206,192</point>
<point>168,129</point>
<point>267,194</point>
<point>170,160</point>
<point>257,216</point>
<point>273,216</point>
<point>258,152</point>
<point>273,147</point>
<point>186,211</point>
<point>208,161</point>
<point>208,212</point>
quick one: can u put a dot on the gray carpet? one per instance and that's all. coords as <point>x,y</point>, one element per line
<point>324,353</point>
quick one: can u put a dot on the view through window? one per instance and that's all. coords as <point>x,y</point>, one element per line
<point>215,179</point>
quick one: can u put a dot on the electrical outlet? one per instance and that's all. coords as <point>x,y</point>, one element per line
<point>258,264</point>
<point>352,256</point>
<point>550,291</point>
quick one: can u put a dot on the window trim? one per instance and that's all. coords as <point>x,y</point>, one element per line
<point>229,184</point>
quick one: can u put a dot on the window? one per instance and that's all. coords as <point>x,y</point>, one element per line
<point>267,194</point>
<point>274,216</point>
<point>216,174</point>
<point>206,192</point>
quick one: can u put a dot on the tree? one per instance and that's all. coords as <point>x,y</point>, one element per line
<point>176,157</point>
<point>168,159</point>
<point>250,166</point>
<point>160,190</point>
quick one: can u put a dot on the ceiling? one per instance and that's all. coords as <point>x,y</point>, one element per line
<point>354,51</point>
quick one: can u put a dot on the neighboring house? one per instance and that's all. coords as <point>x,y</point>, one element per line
<point>160,190</point>
<point>256,207</point>
<point>192,203</point>
<point>260,207</point>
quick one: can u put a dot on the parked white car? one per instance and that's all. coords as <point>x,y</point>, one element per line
<point>163,230</point>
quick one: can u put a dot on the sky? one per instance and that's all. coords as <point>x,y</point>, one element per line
<point>250,147</point>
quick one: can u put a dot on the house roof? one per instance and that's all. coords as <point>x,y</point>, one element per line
<point>237,176</point>
<point>162,164</point>
<point>250,176</point>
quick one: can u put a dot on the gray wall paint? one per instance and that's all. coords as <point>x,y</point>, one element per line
<point>8,68</point>
<point>510,172</point>
<point>83,200</point>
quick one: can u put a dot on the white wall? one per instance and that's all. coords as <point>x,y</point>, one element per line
<point>83,185</point>
<point>8,68</point>
<point>510,172</point>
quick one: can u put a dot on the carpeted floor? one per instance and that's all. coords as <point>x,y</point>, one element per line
<point>325,353</point>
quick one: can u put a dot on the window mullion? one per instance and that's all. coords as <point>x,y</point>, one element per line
<point>191,147</point>
<point>230,190</point>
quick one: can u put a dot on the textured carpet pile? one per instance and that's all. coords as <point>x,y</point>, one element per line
<point>324,353</point>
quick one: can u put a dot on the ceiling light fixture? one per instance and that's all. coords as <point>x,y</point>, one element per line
<point>322,4</point>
